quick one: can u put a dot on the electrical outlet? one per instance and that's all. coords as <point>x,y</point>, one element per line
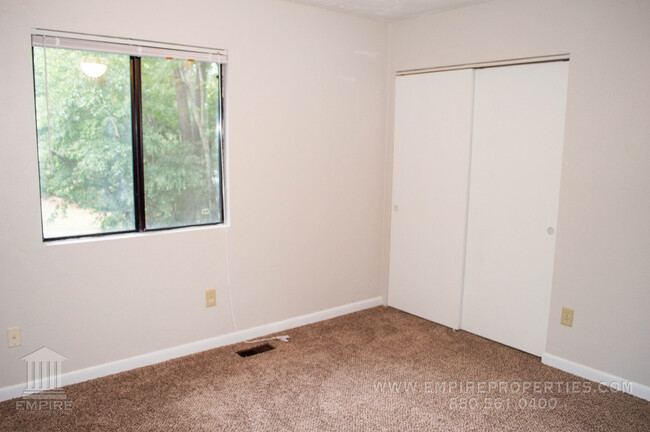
<point>211,298</point>
<point>567,317</point>
<point>13,337</point>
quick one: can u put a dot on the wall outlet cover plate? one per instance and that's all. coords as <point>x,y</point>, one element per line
<point>211,298</point>
<point>567,317</point>
<point>14,338</point>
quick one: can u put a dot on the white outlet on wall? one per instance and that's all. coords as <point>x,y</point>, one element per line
<point>13,337</point>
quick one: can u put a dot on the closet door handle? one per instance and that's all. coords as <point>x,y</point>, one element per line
<point>550,230</point>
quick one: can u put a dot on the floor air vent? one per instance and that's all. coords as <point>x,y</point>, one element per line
<point>256,350</point>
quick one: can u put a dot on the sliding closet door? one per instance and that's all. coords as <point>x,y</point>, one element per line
<point>430,186</point>
<point>514,190</point>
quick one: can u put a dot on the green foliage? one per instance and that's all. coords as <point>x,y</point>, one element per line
<point>180,142</point>
<point>85,138</point>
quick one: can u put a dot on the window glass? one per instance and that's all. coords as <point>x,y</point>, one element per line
<point>83,108</point>
<point>181,142</point>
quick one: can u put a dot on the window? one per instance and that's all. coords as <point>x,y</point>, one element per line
<point>129,134</point>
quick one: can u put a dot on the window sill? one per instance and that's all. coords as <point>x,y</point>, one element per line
<point>131,235</point>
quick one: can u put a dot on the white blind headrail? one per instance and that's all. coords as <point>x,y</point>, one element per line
<point>132,47</point>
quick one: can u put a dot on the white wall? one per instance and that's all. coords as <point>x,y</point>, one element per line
<point>306,114</point>
<point>602,262</point>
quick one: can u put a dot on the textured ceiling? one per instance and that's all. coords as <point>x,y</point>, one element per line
<point>388,10</point>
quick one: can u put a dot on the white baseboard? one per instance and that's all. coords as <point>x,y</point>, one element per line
<point>98,371</point>
<point>586,372</point>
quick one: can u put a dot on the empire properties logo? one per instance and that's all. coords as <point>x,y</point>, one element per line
<point>43,393</point>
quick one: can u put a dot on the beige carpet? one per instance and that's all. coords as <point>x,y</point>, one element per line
<point>330,376</point>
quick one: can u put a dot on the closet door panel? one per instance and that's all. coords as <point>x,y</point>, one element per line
<point>430,186</point>
<point>514,191</point>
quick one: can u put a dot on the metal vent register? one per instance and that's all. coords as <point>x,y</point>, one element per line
<point>255,350</point>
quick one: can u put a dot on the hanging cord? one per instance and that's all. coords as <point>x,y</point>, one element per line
<point>284,338</point>
<point>232,310</point>
<point>47,108</point>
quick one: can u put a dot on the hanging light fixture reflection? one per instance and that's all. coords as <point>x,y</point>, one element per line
<point>94,67</point>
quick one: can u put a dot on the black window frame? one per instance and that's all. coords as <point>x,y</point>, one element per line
<point>138,158</point>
